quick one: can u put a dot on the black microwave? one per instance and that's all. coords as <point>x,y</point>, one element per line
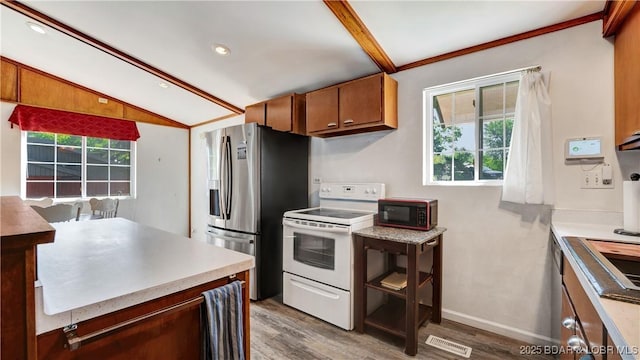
<point>416,214</point>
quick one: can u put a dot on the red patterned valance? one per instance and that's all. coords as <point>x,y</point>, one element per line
<point>65,122</point>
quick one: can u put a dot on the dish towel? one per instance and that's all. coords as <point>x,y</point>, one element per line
<point>223,335</point>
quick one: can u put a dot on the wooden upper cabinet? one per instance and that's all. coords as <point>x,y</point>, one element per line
<point>361,102</point>
<point>9,81</point>
<point>255,113</point>
<point>285,113</point>
<point>322,110</point>
<point>362,105</point>
<point>627,81</point>
<point>41,90</point>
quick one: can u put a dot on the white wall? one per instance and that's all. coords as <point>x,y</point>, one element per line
<point>161,170</point>
<point>496,262</point>
<point>199,184</point>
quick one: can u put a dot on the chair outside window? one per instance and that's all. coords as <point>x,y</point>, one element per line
<point>58,212</point>
<point>105,208</point>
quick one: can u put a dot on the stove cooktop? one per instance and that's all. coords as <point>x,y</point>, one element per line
<point>331,215</point>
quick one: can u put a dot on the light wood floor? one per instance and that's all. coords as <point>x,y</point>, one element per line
<point>281,332</point>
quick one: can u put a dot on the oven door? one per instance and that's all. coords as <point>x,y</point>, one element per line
<point>318,252</point>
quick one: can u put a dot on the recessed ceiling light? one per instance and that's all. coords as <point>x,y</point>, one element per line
<point>36,27</point>
<point>221,49</point>
<point>163,85</point>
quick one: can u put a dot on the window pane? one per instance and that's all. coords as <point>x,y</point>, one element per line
<point>40,153</point>
<point>465,137</point>
<point>69,189</point>
<point>491,98</point>
<point>120,157</point>
<point>120,144</point>
<point>508,129</point>
<point>441,167</point>
<point>120,189</point>
<point>492,134</point>
<point>97,142</point>
<point>97,189</point>
<point>69,172</point>
<point>511,96</point>
<point>40,137</point>
<point>120,173</point>
<point>443,137</point>
<point>492,164</point>
<point>69,140</point>
<point>69,154</point>
<point>465,110</point>
<point>443,109</point>
<point>39,189</point>
<point>97,173</point>
<point>463,166</point>
<point>40,172</point>
<point>97,156</point>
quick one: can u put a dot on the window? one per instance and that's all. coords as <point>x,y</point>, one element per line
<point>468,130</point>
<point>72,166</point>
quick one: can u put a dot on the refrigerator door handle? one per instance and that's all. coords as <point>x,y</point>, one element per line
<point>229,177</point>
<point>223,184</point>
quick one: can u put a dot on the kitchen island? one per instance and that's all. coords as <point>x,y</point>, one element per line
<point>620,320</point>
<point>125,290</point>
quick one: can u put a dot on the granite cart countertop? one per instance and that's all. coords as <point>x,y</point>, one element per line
<point>400,235</point>
<point>100,266</point>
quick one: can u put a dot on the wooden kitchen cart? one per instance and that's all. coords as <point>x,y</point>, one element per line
<point>401,314</point>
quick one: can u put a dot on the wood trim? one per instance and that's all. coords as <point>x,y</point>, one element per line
<point>504,41</point>
<point>354,25</point>
<point>158,119</point>
<point>189,183</point>
<point>78,35</point>
<point>615,12</point>
<point>213,120</point>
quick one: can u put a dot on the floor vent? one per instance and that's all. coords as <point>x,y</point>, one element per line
<point>449,346</point>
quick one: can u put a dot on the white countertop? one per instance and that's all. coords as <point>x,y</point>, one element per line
<point>621,319</point>
<point>100,266</point>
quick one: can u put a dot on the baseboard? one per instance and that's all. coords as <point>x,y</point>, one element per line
<point>500,329</point>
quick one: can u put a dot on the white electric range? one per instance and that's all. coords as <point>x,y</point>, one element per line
<point>318,250</point>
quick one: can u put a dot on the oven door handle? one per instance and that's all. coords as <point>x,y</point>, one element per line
<point>334,229</point>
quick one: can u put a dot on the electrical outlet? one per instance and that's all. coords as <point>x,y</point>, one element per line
<point>595,178</point>
<point>585,180</point>
<point>316,180</point>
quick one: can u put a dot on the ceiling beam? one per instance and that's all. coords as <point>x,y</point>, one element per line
<point>351,21</point>
<point>614,14</point>
<point>504,41</point>
<point>213,120</point>
<point>78,35</point>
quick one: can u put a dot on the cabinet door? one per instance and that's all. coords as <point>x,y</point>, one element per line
<point>322,110</point>
<point>40,90</point>
<point>255,113</point>
<point>568,326</point>
<point>9,82</point>
<point>627,75</point>
<point>280,113</point>
<point>361,101</point>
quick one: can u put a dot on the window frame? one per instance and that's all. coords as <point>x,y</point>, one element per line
<point>83,164</point>
<point>427,120</point>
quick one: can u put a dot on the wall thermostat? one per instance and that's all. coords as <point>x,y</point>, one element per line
<point>583,148</point>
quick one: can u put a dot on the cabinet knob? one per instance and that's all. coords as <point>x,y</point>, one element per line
<point>576,343</point>
<point>569,323</point>
<point>331,124</point>
<point>348,121</point>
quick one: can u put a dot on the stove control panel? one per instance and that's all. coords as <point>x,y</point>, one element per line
<point>352,191</point>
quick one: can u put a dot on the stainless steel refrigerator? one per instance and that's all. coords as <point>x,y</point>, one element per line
<point>255,175</point>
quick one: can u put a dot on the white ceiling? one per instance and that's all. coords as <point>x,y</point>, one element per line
<point>277,47</point>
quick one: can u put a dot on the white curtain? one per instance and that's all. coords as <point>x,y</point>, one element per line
<point>528,175</point>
